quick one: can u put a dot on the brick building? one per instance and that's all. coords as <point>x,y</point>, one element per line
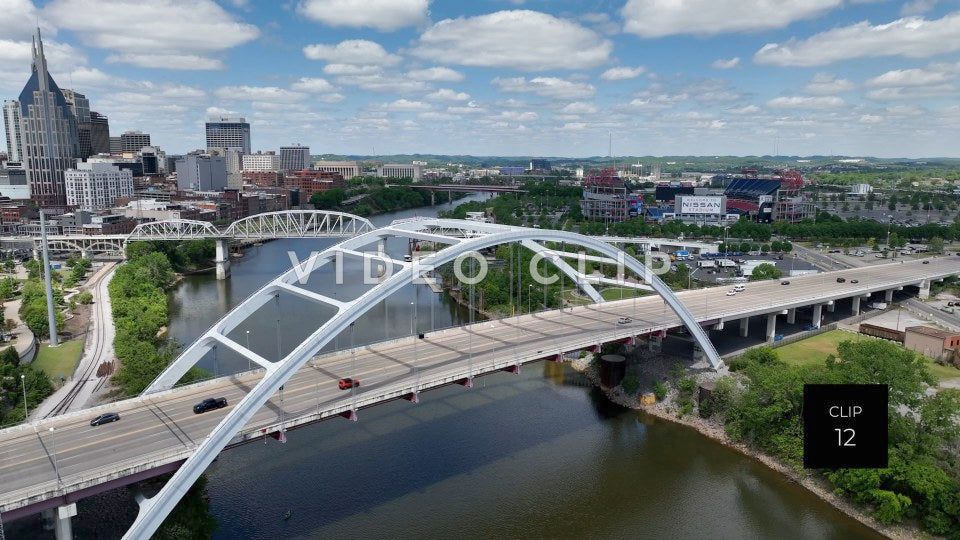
<point>309,182</point>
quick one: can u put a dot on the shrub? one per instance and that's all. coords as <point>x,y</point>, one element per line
<point>85,297</point>
<point>660,390</point>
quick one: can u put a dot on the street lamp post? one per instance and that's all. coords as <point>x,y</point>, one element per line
<point>23,382</point>
<point>249,364</point>
<point>56,465</point>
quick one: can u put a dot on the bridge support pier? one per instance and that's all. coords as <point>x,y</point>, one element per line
<point>58,519</point>
<point>792,316</point>
<point>831,306</point>
<point>656,342</point>
<point>855,307</point>
<point>222,259</point>
<point>888,296</point>
<point>744,326</point>
<point>924,289</point>
<point>818,314</point>
<point>433,198</point>
<point>771,326</point>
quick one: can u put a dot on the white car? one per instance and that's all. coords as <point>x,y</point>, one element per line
<point>624,320</point>
<point>739,288</point>
<point>731,293</point>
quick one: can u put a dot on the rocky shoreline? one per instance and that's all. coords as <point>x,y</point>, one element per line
<point>819,486</point>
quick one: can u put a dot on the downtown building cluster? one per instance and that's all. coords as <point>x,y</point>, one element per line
<point>62,158</point>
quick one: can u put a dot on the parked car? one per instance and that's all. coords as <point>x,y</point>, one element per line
<point>105,418</point>
<point>785,282</point>
<point>209,404</point>
<point>739,288</point>
<point>854,281</point>
<point>347,383</point>
<point>778,337</point>
<point>624,320</point>
<point>809,327</point>
<point>926,262</point>
<point>841,280</point>
<point>731,293</point>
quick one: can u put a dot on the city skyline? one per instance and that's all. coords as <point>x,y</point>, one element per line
<point>824,77</point>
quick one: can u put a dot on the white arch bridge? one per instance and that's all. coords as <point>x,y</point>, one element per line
<point>265,226</point>
<point>459,237</point>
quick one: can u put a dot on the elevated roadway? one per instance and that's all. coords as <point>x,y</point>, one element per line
<point>54,462</point>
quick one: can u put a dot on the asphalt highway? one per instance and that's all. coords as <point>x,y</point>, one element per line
<point>164,426</point>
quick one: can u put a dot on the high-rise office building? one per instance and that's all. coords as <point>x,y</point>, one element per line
<point>294,158</point>
<point>11,124</point>
<point>133,141</point>
<point>202,173</point>
<point>116,146</point>
<point>95,186</point>
<point>80,107</point>
<point>229,132</point>
<point>99,134</point>
<point>261,162</point>
<point>49,133</point>
<point>78,103</point>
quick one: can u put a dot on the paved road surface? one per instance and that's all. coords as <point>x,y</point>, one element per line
<point>163,426</point>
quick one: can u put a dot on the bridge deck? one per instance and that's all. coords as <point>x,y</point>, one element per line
<point>161,429</point>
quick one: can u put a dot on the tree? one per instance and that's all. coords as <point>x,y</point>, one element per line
<point>787,246</point>
<point>8,287</point>
<point>936,244</point>
<point>765,271</point>
<point>745,246</point>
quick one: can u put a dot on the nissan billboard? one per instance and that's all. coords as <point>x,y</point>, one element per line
<point>702,204</point>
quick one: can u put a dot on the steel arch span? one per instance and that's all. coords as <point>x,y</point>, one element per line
<point>154,510</point>
<point>298,224</point>
<point>174,229</point>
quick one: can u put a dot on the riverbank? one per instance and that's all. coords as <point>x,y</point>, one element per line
<point>667,410</point>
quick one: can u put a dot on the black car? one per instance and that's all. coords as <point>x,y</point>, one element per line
<point>841,280</point>
<point>105,418</point>
<point>210,404</point>
<point>926,262</point>
<point>784,282</point>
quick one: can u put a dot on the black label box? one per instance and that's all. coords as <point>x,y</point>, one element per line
<point>845,426</point>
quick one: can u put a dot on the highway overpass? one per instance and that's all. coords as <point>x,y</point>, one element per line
<point>54,462</point>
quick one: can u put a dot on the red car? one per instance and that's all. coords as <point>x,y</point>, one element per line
<point>348,383</point>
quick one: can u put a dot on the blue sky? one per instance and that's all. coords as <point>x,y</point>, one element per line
<point>512,77</point>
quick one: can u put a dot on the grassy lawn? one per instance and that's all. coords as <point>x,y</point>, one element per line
<point>60,360</point>
<point>814,350</point>
<point>613,293</point>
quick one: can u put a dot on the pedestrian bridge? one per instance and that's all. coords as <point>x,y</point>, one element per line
<point>54,462</point>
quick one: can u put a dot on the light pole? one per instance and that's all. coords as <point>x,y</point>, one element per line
<point>529,296</point>
<point>56,466</point>
<point>249,364</point>
<point>23,382</point>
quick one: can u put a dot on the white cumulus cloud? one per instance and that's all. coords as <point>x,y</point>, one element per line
<point>579,107</point>
<point>403,105</point>
<point>728,63</point>
<point>516,39</point>
<point>438,73</point>
<point>446,94</point>
<point>384,15</point>
<point>621,73</point>
<point>352,51</point>
<point>827,83</point>
<point>313,85</point>
<point>549,87</point>
<point>806,102</point>
<point>911,37</point>
<point>910,77</point>
<point>259,93</point>
<point>658,18</point>
<point>169,34</point>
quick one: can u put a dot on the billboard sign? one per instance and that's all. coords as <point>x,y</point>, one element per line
<point>692,204</point>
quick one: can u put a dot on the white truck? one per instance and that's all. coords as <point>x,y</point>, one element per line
<point>727,263</point>
<point>878,305</point>
<point>707,263</point>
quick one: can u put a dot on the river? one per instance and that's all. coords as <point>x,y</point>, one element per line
<point>540,454</point>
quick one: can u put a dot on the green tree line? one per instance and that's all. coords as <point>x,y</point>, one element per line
<point>922,480</point>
